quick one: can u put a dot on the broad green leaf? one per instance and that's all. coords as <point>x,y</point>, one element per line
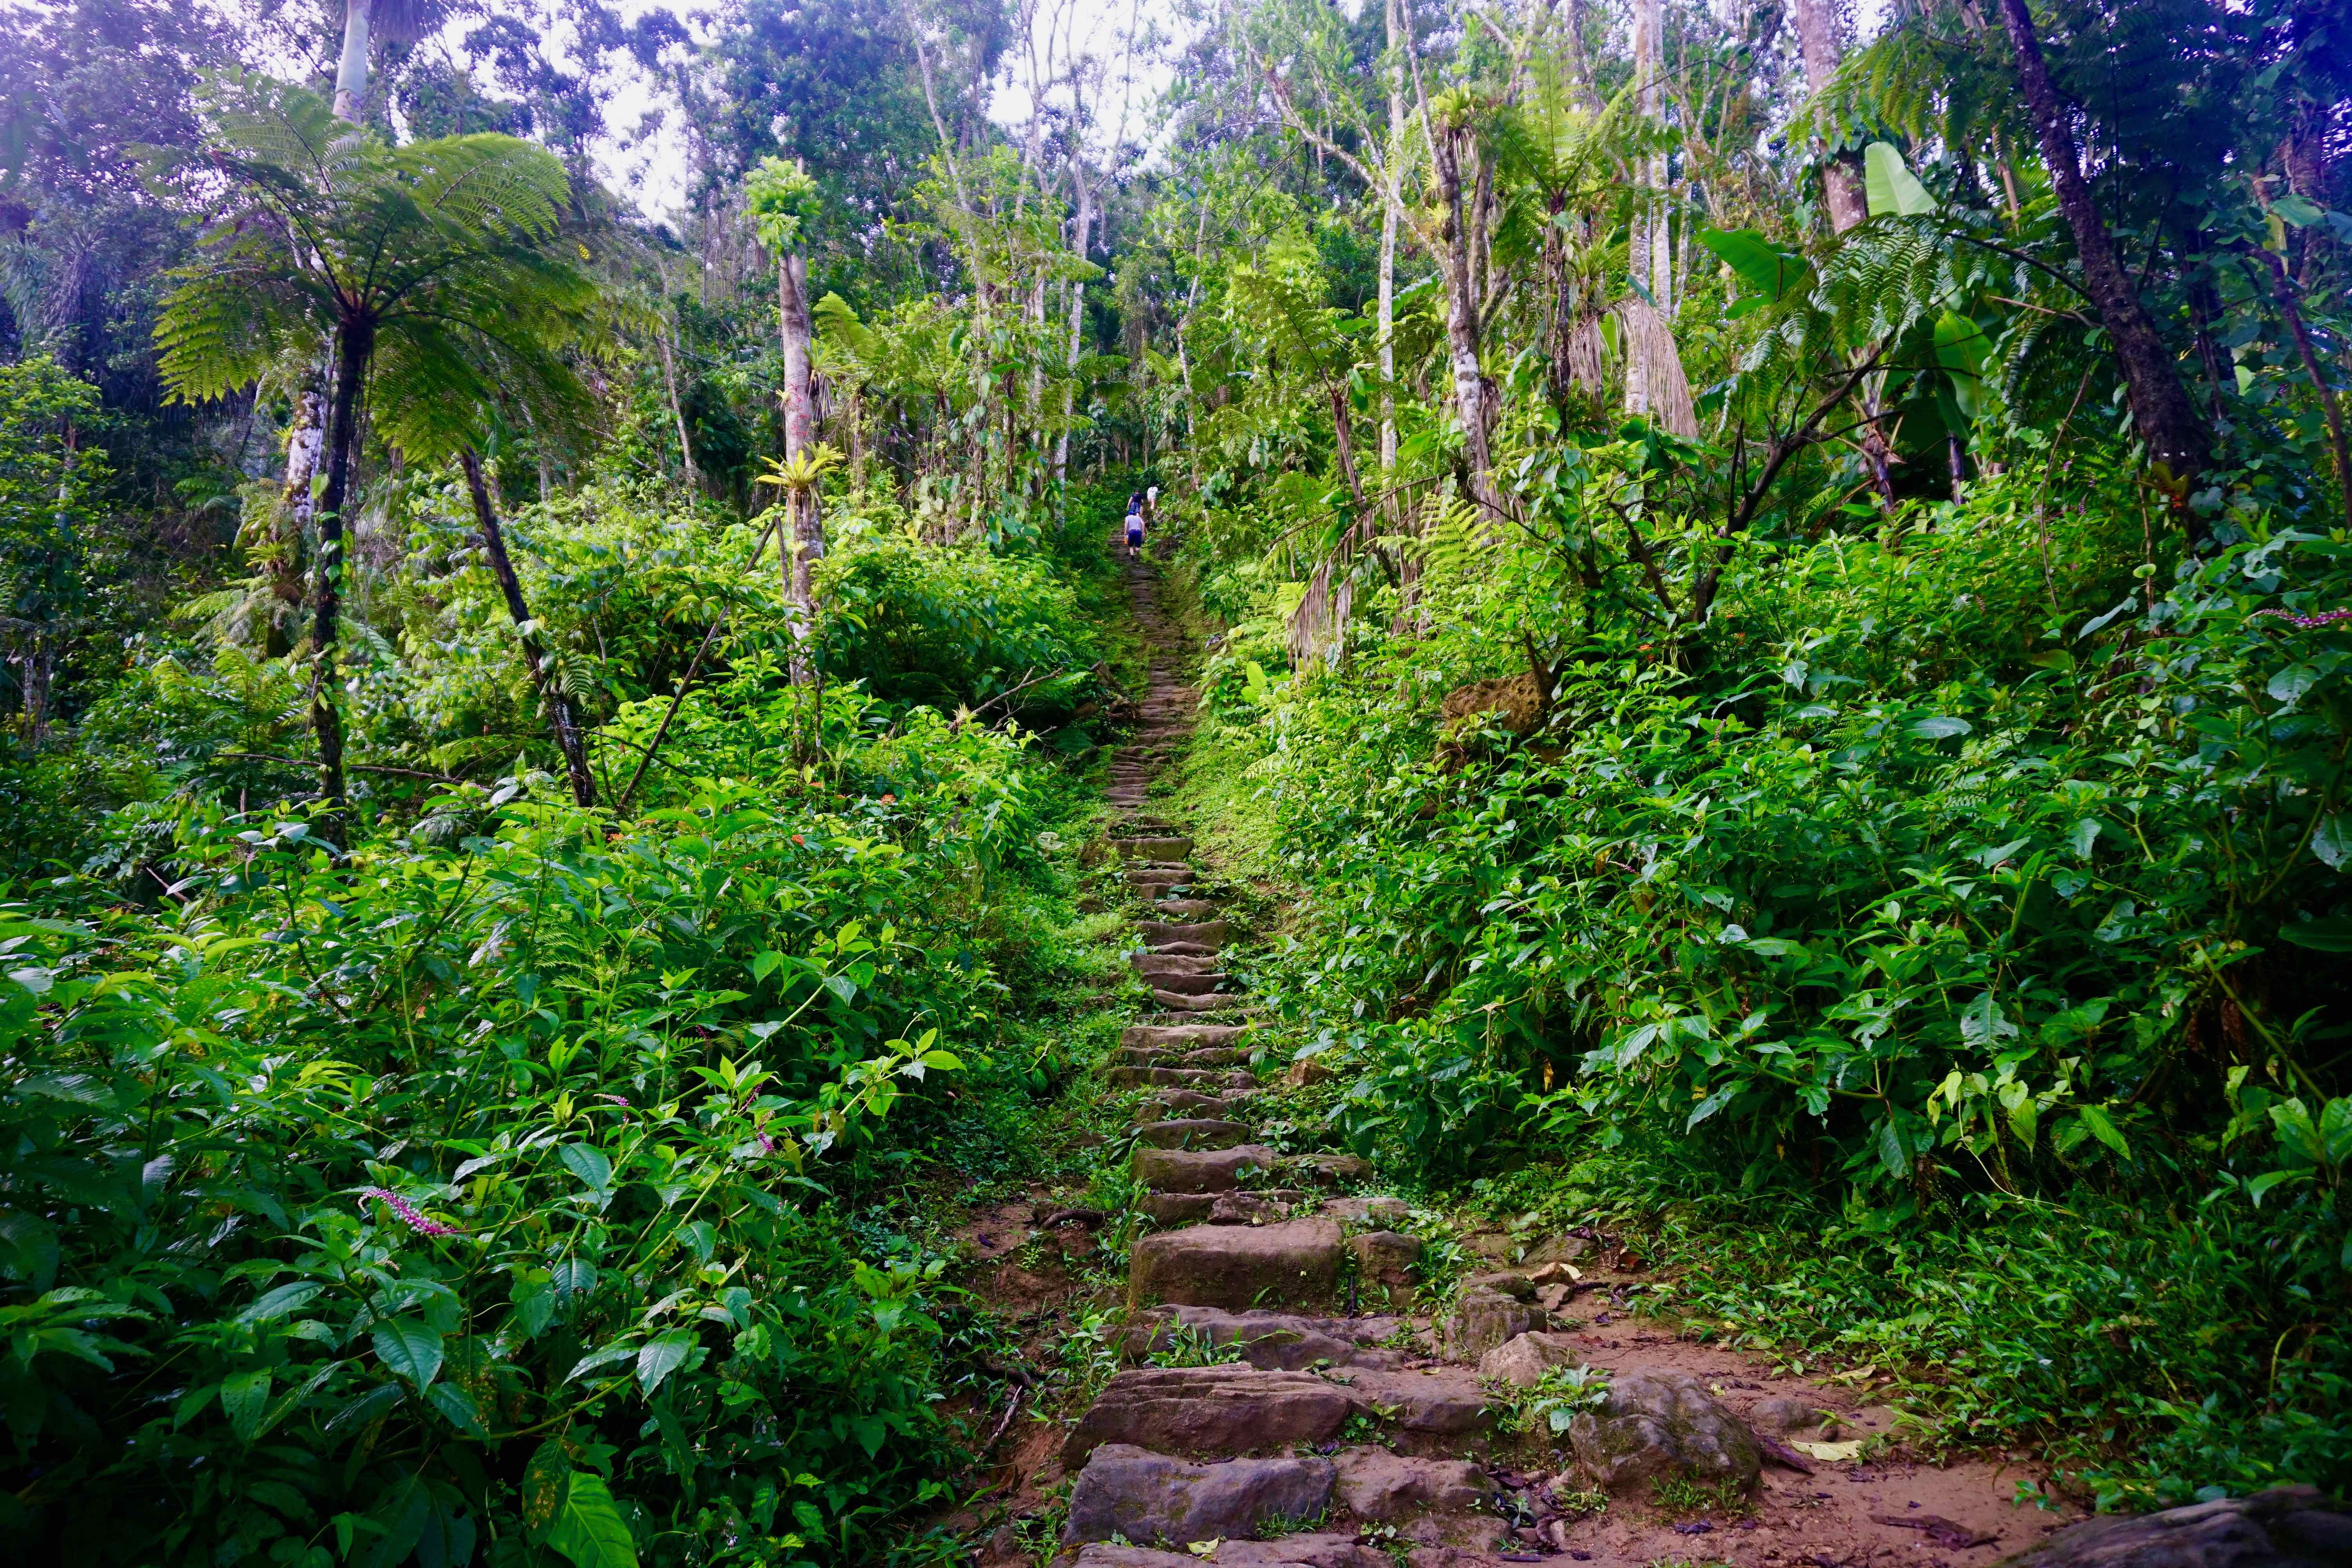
<point>1757,261</point>
<point>1940,726</point>
<point>410,1348</point>
<point>2332,934</point>
<point>278,1303</point>
<point>244,1397</point>
<point>1891,1153</point>
<point>663,1355</point>
<point>2103,1128</point>
<point>1893,189</point>
<point>588,1527</point>
<point>588,1163</point>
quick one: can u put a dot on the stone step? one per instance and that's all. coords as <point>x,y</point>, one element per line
<point>1188,908</point>
<point>1151,964</point>
<point>1174,1103</point>
<point>1293,1263</point>
<point>1205,1079</point>
<point>1219,1411</point>
<point>1161,1056</point>
<point>1192,1132</point>
<point>1150,848</point>
<point>1150,1500</point>
<point>1170,1209</point>
<point>1187,949</point>
<point>1198,1171</point>
<point>1188,985</point>
<point>1208,932</point>
<point>1183,1002</point>
<point>1278,1341</point>
<point>1181,1037</point>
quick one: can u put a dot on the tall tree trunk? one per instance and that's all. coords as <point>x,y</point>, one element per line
<point>1642,263</point>
<point>1343,441</point>
<point>352,71</point>
<point>2167,421</point>
<point>1394,194</point>
<point>1461,316</point>
<point>677,414</point>
<point>807,535</point>
<point>1083,225</point>
<point>560,715</point>
<point>1818,46</point>
<point>306,437</point>
<point>355,345</point>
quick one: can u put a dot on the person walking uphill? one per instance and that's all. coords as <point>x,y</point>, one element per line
<point>1135,526</point>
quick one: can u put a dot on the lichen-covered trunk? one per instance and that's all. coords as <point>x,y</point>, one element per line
<point>355,346</point>
<point>803,540</point>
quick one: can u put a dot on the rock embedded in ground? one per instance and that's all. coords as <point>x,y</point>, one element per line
<point>1776,1416</point>
<point>1485,1319</point>
<point>1383,1488</point>
<point>1243,1209</point>
<point>1308,1070</point>
<point>1209,933</point>
<point>1328,1169</point>
<point>1654,1424</point>
<point>1177,1209</point>
<point>1209,1410</point>
<point>1379,1213</point>
<point>1522,1362</point>
<point>1384,1261</point>
<point>1192,1132</point>
<point>2285,1527</point>
<point>1153,849</point>
<point>1171,1103</point>
<point>1283,1342</point>
<point>1155,1499</point>
<point>1123,1077</point>
<point>1430,1410</point>
<point>1199,1170</point>
<point>1293,1263</point>
<point>1181,1037</point>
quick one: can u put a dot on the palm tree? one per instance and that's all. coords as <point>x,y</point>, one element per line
<point>427,268</point>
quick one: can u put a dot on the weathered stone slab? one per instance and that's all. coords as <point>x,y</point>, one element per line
<point>1155,1499</point>
<point>1188,908</point>
<point>1282,1342</point>
<point>1173,1102</point>
<point>1384,1261</point>
<point>1381,1487</point>
<point>1155,964</point>
<point>1660,1424</point>
<point>1186,1001</point>
<point>1237,1267</point>
<point>1198,984</point>
<point>1436,1410</point>
<point>1192,1132</point>
<point>1222,1410</point>
<point>1182,1037</point>
<point>1209,933</point>
<point>1126,1076</point>
<point>1200,1170</point>
<point>1150,848</point>
<point>1327,1170</point>
<point>1177,1208</point>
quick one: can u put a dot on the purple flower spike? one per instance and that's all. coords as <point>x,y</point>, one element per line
<point>407,1213</point>
<point>2324,617</point>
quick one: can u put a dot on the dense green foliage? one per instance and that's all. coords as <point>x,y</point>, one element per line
<point>1892,490</point>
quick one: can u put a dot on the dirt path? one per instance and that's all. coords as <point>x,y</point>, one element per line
<point>1292,1393</point>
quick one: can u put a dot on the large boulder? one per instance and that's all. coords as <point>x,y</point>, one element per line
<point>1664,1423</point>
<point>1523,1361</point>
<point>1293,1263</point>
<point>1199,1170</point>
<point>1152,1499</point>
<point>1220,1410</point>
<point>2287,1527</point>
<point>1381,1487</point>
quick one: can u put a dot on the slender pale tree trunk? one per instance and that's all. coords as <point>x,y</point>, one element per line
<point>676,412</point>
<point>1083,224</point>
<point>1647,22</point>
<point>352,71</point>
<point>561,717</point>
<point>806,540</point>
<point>2167,421</point>
<point>1394,194</point>
<point>1819,47</point>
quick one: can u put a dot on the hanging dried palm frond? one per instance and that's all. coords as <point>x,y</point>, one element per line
<point>1586,370</point>
<point>1655,366</point>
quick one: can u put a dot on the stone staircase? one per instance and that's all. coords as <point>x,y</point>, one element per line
<point>1286,1398</point>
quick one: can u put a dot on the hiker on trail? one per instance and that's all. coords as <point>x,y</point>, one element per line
<point>1134,526</point>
